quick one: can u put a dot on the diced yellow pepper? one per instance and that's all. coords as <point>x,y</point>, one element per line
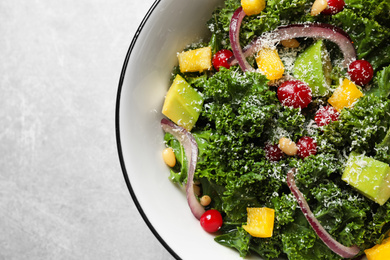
<point>252,7</point>
<point>196,60</point>
<point>345,95</point>
<point>270,64</point>
<point>260,222</point>
<point>379,252</point>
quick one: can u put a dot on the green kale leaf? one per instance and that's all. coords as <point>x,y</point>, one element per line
<point>237,238</point>
<point>383,149</point>
<point>342,211</point>
<point>178,174</point>
<point>301,242</point>
<point>358,128</point>
<point>267,248</point>
<point>367,34</point>
<point>381,86</point>
<point>373,9</point>
<point>380,226</point>
<point>381,57</point>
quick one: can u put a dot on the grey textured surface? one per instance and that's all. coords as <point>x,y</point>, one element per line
<point>62,192</point>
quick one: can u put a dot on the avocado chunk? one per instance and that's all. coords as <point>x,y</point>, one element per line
<point>182,104</point>
<point>313,67</point>
<point>369,176</point>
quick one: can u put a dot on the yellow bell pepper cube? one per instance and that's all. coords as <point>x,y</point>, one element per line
<point>252,7</point>
<point>379,252</point>
<point>197,60</point>
<point>345,95</point>
<point>260,222</point>
<point>270,64</point>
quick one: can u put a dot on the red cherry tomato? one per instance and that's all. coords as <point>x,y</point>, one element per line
<point>334,7</point>
<point>221,58</point>
<point>211,221</point>
<point>325,115</point>
<point>306,147</point>
<point>273,152</point>
<point>360,72</point>
<point>294,93</point>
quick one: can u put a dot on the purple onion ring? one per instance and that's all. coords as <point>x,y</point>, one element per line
<point>338,248</point>
<point>309,30</point>
<point>187,140</point>
<point>234,35</point>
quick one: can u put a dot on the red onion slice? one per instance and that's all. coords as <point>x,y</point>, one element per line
<point>312,30</point>
<point>234,35</point>
<point>341,250</point>
<point>187,140</point>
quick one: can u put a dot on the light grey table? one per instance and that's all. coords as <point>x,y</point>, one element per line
<point>62,192</point>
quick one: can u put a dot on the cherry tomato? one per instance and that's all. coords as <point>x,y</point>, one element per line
<point>211,221</point>
<point>325,115</point>
<point>334,7</point>
<point>361,72</point>
<point>294,93</point>
<point>306,147</point>
<point>273,152</point>
<point>221,58</point>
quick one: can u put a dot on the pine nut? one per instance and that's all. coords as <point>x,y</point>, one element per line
<point>205,200</point>
<point>318,7</point>
<point>169,157</point>
<point>197,190</point>
<point>288,146</point>
<point>290,43</point>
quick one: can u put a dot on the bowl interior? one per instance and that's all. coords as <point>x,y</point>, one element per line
<point>168,27</point>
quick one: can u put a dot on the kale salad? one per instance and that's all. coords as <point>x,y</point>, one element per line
<point>278,125</point>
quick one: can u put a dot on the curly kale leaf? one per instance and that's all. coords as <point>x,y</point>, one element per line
<point>367,34</point>
<point>380,225</point>
<point>230,86</point>
<point>275,14</point>
<point>219,23</point>
<point>267,248</point>
<point>381,87</point>
<point>301,242</point>
<point>289,122</point>
<point>237,238</point>
<point>378,11</point>
<point>238,105</point>
<point>381,57</point>
<point>252,25</point>
<point>359,128</point>
<point>253,189</point>
<point>234,236</point>
<point>342,211</point>
<point>316,168</point>
<point>292,11</point>
<point>285,207</point>
<point>373,9</point>
<point>225,158</point>
<point>383,149</point>
<point>213,190</point>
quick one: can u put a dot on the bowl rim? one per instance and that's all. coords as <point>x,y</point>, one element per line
<point>118,135</point>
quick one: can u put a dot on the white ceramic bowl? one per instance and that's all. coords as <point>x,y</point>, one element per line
<point>166,29</point>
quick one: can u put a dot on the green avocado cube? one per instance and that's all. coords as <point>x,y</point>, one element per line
<point>313,67</point>
<point>182,104</point>
<point>369,176</point>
